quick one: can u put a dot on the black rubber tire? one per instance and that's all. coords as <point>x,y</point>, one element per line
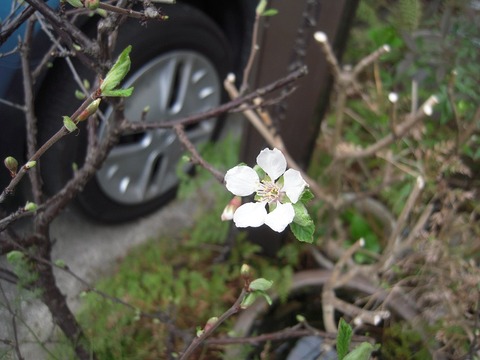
<point>187,28</point>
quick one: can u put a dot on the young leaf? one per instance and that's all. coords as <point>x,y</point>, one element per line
<point>118,92</point>
<point>306,196</point>
<point>69,124</point>
<point>344,336</point>
<point>14,256</point>
<point>75,3</point>
<point>361,352</point>
<point>60,263</point>
<point>303,233</point>
<point>302,217</point>
<point>117,73</point>
<point>262,4</point>
<point>248,300</point>
<point>30,206</point>
<point>261,284</point>
<point>268,299</point>
<point>80,95</point>
<point>270,12</point>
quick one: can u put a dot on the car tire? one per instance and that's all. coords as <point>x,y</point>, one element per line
<point>191,45</point>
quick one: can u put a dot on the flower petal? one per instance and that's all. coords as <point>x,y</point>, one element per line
<point>250,214</point>
<point>241,180</point>
<point>272,162</point>
<point>293,184</point>
<point>279,218</point>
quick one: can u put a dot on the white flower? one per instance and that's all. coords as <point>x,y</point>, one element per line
<point>279,189</point>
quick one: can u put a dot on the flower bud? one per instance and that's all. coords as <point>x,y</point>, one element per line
<point>245,271</point>
<point>90,110</point>
<point>11,164</point>
<point>230,209</point>
<point>210,323</point>
<point>92,4</point>
<point>30,164</point>
<point>30,206</point>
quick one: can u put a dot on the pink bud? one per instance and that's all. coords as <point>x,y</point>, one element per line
<point>230,209</point>
<point>210,323</point>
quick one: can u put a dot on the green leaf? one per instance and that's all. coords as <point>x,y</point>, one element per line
<point>268,299</point>
<point>302,217</point>
<point>69,124</point>
<point>75,3</point>
<point>30,206</point>
<point>344,336</point>
<point>306,196</point>
<point>248,300</point>
<point>361,352</point>
<point>117,73</point>
<point>270,12</point>
<point>60,263</point>
<point>303,233</point>
<point>261,284</point>
<point>80,95</point>
<point>262,4</point>
<point>14,256</point>
<point>118,92</point>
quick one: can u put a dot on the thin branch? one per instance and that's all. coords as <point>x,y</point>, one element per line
<point>391,249</point>
<point>150,13</point>
<point>48,144</point>
<point>12,104</point>
<point>66,29</point>
<point>16,23</point>
<point>294,332</point>
<point>233,104</point>
<point>401,129</point>
<point>197,158</point>
<point>197,341</point>
<point>328,294</point>
<point>30,116</point>
<point>251,58</point>
<point>366,61</point>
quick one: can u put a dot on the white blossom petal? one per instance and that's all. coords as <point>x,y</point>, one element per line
<point>293,184</point>
<point>250,214</point>
<point>272,162</point>
<point>279,218</point>
<point>242,180</point>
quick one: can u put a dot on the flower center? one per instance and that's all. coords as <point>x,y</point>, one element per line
<point>269,191</point>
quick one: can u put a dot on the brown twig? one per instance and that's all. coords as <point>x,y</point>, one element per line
<point>253,52</point>
<point>391,249</point>
<point>401,130</point>
<point>8,30</point>
<point>233,104</point>
<point>153,14</point>
<point>296,331</point>
<point>328,293</point>
<point>197,341</point>
<point>30,116</point>
<point>197,158</point>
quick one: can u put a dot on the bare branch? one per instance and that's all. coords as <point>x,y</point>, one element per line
<point>197,158</point>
